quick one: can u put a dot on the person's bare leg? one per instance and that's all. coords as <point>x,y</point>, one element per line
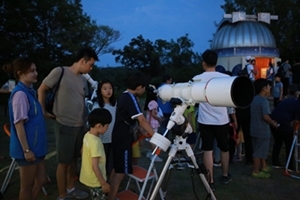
<point>225,162</point>
<point>256,165</point>
<point>114,185</point>
<point>40,179</point>
<point>61,179</point>
<point>27,176</point>
<point>208,163</point>
<point>71,175</point>
<point>263,163</point>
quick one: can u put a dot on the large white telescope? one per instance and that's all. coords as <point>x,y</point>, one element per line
<point>225,92</point>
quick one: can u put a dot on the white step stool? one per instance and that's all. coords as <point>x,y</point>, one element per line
<point>139,175</point>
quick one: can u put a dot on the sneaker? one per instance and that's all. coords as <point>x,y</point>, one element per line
<point>278,165</point>
<point>78,194</point>
<point>217,164</point>
<point>267,169</point>
<point>212,186</point>
<point>261,175</point>
<point>180,166</point>
<point>157,159</point>
<point>237,159</point>
<point>226,179</point>
<point>149,154</point>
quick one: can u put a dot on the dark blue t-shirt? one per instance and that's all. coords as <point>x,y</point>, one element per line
<point>285,112</point>
<point>166,107</point>
<point>127,110</point>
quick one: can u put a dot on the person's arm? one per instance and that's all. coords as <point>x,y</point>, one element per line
<point>296,124</point>
<point>153,114</point>
<point>3,90</point>
<point>42,91</point>
<point>233,116</point>
<point>270,121</point>
<point>29,156</point>
<point>270,73</point>
<point>145,124</point>
<point>281,93</point>
<point>105,186</point>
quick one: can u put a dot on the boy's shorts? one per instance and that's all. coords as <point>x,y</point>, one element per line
<point>68,142</point>
<point>136,153</point>
<point>96,193</point>
<point>260,147</point>
<point>211,132</point>
<point>122,160</point>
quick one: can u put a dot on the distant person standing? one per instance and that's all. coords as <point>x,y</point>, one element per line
<point>277,90</point>
<point>250,68</point>
<point>166,107</point>
<point>285,74</point>
<point>296,74</point>
<point>255,71</point>
<point>70,119</point>
<point>213,122</point>
<point>270,74</point>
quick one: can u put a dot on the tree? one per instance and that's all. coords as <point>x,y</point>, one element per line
<point>140,54</point>
<point>286,29</point>
<point>159,57</point>
<point>50,32</point>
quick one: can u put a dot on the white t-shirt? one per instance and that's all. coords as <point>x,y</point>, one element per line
<point>207,114</point>
<point>250,68</point>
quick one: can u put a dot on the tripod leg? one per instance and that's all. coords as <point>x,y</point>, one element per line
<point>190,153</point>
<point>291,152</point>
<point>165,183</point>
<point>161,178</point>
<point>8,175</point>
<point>172,153</point>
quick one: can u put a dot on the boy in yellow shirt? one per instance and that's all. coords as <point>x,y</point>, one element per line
<point>93,171</point>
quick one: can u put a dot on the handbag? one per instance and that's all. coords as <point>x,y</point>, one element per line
<point>51,94</point>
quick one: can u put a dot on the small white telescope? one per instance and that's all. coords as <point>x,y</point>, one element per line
<point>226,92</point>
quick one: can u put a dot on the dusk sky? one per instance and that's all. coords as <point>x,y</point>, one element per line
<point>156,19</point>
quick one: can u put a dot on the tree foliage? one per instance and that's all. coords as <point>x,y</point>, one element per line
<point>286,29</point>
<point>50,32</point>
<point>161,56</point>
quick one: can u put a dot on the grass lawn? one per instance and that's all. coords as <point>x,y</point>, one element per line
<point>180,185</point>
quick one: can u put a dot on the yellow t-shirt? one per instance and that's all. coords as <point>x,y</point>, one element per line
<point>189,113</point>
<point>92,147</point>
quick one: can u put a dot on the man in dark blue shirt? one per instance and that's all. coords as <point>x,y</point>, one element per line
<point>286,113</point>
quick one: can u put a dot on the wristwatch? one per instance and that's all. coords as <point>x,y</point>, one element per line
<point>26,150</point>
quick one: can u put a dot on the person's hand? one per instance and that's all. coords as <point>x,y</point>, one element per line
<point>49,115</point>
<point>105,187</point>
<point>161,119</point>
<point>29,156</point>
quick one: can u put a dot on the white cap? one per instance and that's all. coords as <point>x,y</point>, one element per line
<point>248,57</point>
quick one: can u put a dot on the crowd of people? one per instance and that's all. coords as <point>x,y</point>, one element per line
<point>103,138</point>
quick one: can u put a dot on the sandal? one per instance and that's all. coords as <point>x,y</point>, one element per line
<point>267,169</point>
<point>261,175</point>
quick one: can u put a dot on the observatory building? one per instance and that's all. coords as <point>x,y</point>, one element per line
<point>239,35</point>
